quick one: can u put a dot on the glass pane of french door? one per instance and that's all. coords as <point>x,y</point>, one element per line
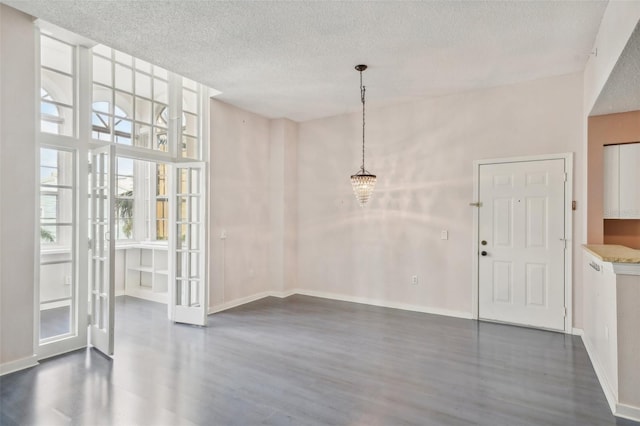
<point>58,283</point>
<point>189,288</point>
<point>101,265</point>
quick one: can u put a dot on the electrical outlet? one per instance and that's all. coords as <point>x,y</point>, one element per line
<point>444,234</point>
<point>414,280</point>
<point>223,234</point>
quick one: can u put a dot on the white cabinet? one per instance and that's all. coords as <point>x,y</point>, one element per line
<point>622,181</point>
<point>611,181</point>
<point>611,292</point>
<point>146,274</point>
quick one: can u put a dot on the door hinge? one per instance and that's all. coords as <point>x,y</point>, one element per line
<point>476,204</point>
<point>89,319</point>
<point>565,176</point>
<point>565,312</point>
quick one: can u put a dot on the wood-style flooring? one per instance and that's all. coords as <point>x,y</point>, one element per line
<point>310,361</point>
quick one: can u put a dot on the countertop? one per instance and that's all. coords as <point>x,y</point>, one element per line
<point>614,253</point>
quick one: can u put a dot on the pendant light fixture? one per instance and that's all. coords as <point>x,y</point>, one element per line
<point>363,182</point>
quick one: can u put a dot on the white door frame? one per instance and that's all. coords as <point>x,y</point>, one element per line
<point>568,229</point>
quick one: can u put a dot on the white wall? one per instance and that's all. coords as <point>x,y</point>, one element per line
<point>239,164</point>
<point>422,153</point>
<point>283,193</point>
<point>17,188</point>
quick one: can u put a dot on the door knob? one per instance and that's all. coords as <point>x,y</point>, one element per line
<point>483,242</point>
<point>484,253</point>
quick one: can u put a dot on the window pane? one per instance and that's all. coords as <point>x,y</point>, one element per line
<point>56,285</point>
<point>161,113</point>
<point>63,85</point>
<point>160,91</point>
<point>189,84</point>
<point>142,135</point>
<point>55,54</point>
<point>161,180</point>
<point>190,101</point>
<point>102,70</point>
<point>143,110</point>
<point>160,72</point>
<point>123,58</point>
<point>124,78</point>
<point>143,66</point>
<point>101,126</point>
<point>190,147</point>
<point>161,139</point>
<point>190,125</point>
<point>124,105</point>
<point>122,131</point>
<point>102,50</point>
<point>64,122</point>
<point>143,85</point>
<point>101,98</point>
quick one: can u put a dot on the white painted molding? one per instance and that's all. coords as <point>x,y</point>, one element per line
<point>577,332</point>
<point>19,364</point>
<point>282,294</point>
<point>628,412</point>
<point>386,304</point>
<point>626,268</point>
<point>342,297</point>
<point>608,390</point>
<point>237,302</point>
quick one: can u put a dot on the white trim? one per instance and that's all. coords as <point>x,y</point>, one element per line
<point>577,332</point>
<point>626,268</point>
<point>19,364</point>
<point>627,412</point>
<point>282,294</point>
<point>568,226</point>
<point>384,303</point>
<point>342,297</point>
<point>617,409</point>
<point>244,300</point>
<point>237,302</point>
<point>608,390</point>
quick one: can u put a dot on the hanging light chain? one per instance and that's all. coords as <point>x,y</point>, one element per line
<point>362,93</point>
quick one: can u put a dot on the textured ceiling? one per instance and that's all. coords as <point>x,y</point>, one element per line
<point>621,93</point>
<point>296,59</point>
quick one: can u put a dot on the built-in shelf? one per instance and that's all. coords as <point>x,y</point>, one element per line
<point>146,273</point>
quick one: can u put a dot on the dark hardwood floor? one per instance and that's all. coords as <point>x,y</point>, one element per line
<point>309,361</point>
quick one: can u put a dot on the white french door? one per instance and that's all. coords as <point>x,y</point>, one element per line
<point>521,251</point>
<point>102,272</point>
<point>188,292</point>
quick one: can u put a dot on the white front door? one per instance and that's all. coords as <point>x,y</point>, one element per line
<point>188,293</point>
<point>521,251</point>
<point>102,272</point>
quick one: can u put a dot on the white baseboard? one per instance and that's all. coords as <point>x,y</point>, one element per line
<point>609,392</point>
<point>628,412</point>
<point>237,302</point>
<point>282,294</point>
<point>243,300</point>
<point>19,364</point>
<point>342,297</point>
<point>577,332</point>
<point>384,303</point>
